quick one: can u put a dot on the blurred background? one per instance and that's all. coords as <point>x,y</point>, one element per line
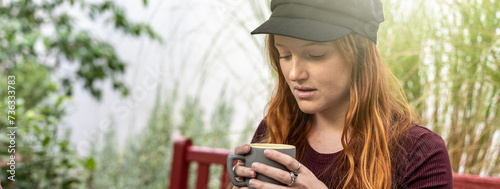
<point>102,87</point>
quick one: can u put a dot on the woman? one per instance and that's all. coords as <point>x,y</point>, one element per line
<point>339,105</point>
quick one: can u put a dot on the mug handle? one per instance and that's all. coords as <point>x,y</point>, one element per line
<point>232,176</point>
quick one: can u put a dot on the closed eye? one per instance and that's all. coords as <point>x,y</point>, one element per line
<point>317,57</point>
<point>287,57</point>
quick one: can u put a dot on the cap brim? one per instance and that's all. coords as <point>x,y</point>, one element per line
<point>309,30</point>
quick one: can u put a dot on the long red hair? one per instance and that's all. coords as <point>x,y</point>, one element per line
<point>377,117</point>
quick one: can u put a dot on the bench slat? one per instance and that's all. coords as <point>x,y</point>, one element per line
<point>474,182</point>
<point>202,176</point>
<point>207,155</point>
<point>224,178</point>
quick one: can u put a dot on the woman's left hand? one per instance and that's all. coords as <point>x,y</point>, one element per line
<point>305,178</point>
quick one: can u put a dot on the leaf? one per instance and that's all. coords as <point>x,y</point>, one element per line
<point>70,182</point>
<point>63,145</point>
<point>37,129</point>
<point>52,86</point>
<point>59,101</point>
<point>46,141</point>
<point>145,2</point>
<point>90,164</point>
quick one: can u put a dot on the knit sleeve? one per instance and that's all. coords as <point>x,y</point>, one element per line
<point>260,132</point>
<point>429,164</point>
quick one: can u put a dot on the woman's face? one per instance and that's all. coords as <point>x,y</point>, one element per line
<point>316,73</point>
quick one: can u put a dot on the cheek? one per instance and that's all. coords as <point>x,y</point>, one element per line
<point>341,70</point>
<point>343,81</point>
<point>284,72</point>
<point>337,78</point>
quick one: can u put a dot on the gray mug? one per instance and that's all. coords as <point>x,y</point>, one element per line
<point>256,154</point>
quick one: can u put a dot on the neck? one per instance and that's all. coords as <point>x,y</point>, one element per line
<point>326,132</point>
<point>332,119</point>
<point>329,123</point>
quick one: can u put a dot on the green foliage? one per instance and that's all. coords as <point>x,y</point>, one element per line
<point>43,32</point>
<point>145,160</point>
<point>192,123</point>
<point>39,143</point>
<point>36,39</point>
<point>475,109</point>
<point>99,169</point>
<point>447,56</point>
<point>220,121</point>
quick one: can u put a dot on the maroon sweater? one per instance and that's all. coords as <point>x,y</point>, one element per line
<point>428,164</point>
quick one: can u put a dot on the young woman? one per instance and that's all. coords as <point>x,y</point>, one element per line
<point>339,105</point>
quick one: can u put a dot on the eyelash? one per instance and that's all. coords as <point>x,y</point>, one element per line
<point>317,57</point>
<point>285,57</point>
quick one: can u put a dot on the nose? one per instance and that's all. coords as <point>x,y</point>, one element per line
<point>298,71</point>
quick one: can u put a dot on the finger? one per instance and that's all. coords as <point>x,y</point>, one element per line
<point>242,149</point>
<point>272,172</point>
<point>289,162</point>
<point>242,171</point>
<point>254,183</point>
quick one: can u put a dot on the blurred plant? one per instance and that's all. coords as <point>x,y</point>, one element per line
<point>44,32</point>
<point>447,55</point>
<point>146,157</point>
<point>474,59</point>
<point>46,159</point>
<point>145,160</point>
<point>36,39</point>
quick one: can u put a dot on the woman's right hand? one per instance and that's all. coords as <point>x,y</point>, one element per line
<point>239,169</point>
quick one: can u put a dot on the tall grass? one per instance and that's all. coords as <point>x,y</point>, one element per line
<point>446,55</point>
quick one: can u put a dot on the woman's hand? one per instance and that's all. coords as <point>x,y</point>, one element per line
<point>239,169</point>
<point>305,178</point>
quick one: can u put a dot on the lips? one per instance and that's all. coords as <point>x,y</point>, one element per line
<point>304,92</point>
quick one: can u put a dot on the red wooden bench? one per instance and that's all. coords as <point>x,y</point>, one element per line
<point>185,153</point>
<point>462,181</point>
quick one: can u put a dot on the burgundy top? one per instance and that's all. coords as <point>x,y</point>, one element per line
<point>428,161</point>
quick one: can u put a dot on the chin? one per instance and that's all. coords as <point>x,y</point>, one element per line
<point>308,110</point>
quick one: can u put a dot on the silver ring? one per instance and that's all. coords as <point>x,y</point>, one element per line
<point>293,176</point>
<point>298,168</point>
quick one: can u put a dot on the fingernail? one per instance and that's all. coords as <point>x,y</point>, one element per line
<point>252,182</point>
<point>252,173</point>
<point>267,152</point>
<point>247,148</point>
<point>254,165</point>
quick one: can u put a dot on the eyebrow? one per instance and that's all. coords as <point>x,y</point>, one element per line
<point>306,45</point>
